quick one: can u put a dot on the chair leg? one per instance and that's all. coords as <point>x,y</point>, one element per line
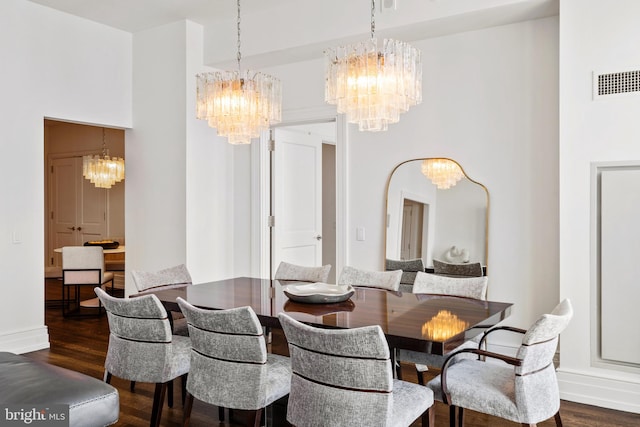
<point>257,417</point>
<point>429,417</point>
<point>158,401</point>
<point>220,413</point>
<point>558,419</point>
<point>420,376</point>
<point>188,405</point>
<point>170,394</point>
<point>460,416</point>
<point>107,377</point>
<point>132,386</point>
<point>184,388</point>
<point>452,416</point>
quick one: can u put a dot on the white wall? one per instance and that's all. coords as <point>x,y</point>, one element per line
<point>602,36</point>
<point>490,102</point>
<point>210,183</point>
<point>57,66</point>
<point>183,188</point>
<point>155,203</point>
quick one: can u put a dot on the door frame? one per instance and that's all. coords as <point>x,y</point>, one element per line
<point>261,189</point>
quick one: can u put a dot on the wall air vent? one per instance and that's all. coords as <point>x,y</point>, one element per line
<point>619,83</point>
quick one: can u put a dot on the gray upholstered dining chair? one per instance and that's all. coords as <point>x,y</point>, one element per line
<point>293,272</point>
<point>468,287</point>
<point>426,283</point>
<point>409,267</point>
<point>389,280</point>
<point>343,377</point>
<point>230,366</point>
<point>82,266</point>
<point>142,348</point>
<point>524,390</point>
<point>173,277</point>
<point>472,269</point>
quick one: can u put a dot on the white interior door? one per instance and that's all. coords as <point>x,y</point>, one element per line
<point>77,209</point>
<point>297,198</point>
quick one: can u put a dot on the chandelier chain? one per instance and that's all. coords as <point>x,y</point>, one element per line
<point>239,55</point>
<point>104,144</point>
<point>373,18</point>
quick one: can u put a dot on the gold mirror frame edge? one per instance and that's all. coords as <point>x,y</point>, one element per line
<point>386,203</point>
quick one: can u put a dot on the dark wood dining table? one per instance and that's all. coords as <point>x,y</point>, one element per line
<point>422,322</point>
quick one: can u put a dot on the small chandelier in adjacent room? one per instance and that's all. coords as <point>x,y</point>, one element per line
<point>239,104</point>
<point>444,173</point>
<point>373,86</point>
<point>103,171</point>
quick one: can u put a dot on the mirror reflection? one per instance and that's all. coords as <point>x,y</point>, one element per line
<point>435,211</point>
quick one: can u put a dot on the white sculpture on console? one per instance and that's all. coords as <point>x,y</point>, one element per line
<point>455,255</point>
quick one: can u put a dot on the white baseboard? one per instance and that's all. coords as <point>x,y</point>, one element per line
<point>590,389</point>
<point>25,341</point>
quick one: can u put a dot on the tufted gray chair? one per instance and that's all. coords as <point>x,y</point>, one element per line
<point>230,366</point>
<point>468,287</point>
<point>525,392</point>
<point>472,269</point>
<point>410,269</point>
<point>301,273</point>
<point>173,277</point>
<point>425,283</point>
<point>141,346</point>
<point>343,377</point>
<point>389,280</point>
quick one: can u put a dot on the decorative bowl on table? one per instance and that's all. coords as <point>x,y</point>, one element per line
<point>106,244</point>
<point>318,292</point>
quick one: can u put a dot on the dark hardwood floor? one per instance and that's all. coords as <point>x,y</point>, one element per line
<point>81,344</point>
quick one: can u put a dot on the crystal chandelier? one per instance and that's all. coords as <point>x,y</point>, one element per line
<point>373,86</point>
<point>444,173</point>
<point>239,104</point>
<point>103,171</point>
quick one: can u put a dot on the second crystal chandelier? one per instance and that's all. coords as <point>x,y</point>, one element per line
<point>373,86</point>
<point>239,104</point>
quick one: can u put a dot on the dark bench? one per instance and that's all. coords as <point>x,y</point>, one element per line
<point>24,381</point>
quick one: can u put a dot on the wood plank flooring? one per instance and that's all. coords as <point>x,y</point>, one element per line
<point>81,344</point>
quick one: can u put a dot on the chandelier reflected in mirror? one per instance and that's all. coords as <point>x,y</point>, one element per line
<point>102,170</point>
<point>373,86</point>
<point>444,173</point>
<point>239,104</point>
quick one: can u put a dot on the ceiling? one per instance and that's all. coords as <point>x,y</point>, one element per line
<point>281,31</point>
<point>138,15</point>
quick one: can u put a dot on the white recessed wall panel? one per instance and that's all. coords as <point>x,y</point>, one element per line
<point>620,266</point>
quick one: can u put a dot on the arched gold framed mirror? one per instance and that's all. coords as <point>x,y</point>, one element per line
<point>435,211</point>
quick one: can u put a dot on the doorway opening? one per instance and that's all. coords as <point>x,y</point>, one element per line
<point>75,210</point>
<point>303,196</point>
